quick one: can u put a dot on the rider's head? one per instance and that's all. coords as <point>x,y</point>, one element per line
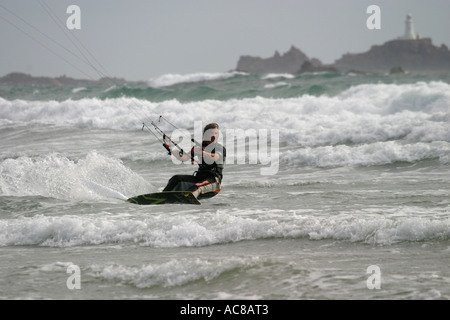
<point>211,132</point>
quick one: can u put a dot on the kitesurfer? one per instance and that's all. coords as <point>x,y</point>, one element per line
<point>206,181</point>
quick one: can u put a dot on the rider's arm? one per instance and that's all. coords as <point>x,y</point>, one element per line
<point>209,157</point>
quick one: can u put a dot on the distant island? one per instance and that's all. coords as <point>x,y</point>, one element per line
<point>293,61</point>
<point>413,55</point>
<point>19,78</point>
<point>407,53</point>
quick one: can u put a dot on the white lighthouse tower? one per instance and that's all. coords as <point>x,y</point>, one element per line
<point>409,29</point>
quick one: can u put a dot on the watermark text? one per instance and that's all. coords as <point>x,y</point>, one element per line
<point>74,20</point>
<point>374,20</point>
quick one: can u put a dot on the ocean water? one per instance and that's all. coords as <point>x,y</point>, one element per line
<point>354,202</point>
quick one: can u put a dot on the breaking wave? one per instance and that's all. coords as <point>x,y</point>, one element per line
<point>224,226</point>
<point>95,177</point>
<point>170,79</point>
<point>368,124</point>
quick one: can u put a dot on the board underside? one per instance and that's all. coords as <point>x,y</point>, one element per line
<point>167,197</point>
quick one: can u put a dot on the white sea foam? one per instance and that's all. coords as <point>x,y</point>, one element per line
<point>76,90</point>
<point>364,105</point>
<point>278,75</point>
<point>208,228</point>
<point>378,153</point>
<point>175,272</point>
<point>172,79</point>
<point>354,127</point>
<point>95,177</point>
<point>276,85</point>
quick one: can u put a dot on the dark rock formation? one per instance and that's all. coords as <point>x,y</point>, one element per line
<point>395,70</point>
<point>290,62</point>
<point>417,55</point>
<point>413,55</point>
<point>308,67</point>
<point>18,78</point>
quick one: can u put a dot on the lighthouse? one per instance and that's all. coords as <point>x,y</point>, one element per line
<point>409,29</point>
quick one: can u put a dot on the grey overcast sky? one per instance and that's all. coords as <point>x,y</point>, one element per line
<point>143,39</point>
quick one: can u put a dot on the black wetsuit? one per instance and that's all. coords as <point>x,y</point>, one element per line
<point>207,179</point>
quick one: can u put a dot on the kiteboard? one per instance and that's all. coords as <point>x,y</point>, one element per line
<point>165,197</point>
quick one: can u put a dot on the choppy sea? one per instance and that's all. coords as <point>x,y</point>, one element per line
<point>356,204</point>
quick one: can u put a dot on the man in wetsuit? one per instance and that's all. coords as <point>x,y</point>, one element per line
<point>207,179</point>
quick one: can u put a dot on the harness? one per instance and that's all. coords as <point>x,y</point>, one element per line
<point>166,141</point>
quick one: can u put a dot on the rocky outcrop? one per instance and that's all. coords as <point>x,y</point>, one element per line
<point>396,70</point>
<point>413,55</point>
<point>290,62</point>
<point>417,55</point>
<point>309,67</point>
<point>18,78</point>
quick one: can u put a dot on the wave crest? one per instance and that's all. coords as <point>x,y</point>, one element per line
<point>209,228</point>
<point>173,79</point>
<point>95,177</point>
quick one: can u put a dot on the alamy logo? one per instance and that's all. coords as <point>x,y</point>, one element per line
<point>374,21</point>
<point>74,20</point>
<point>74,280</point>
<point>374,281</point>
